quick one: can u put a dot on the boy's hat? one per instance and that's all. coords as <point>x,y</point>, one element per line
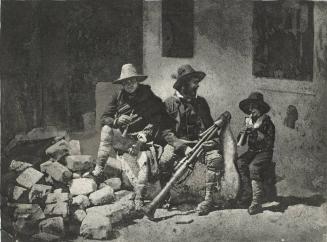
<point>254,97</point>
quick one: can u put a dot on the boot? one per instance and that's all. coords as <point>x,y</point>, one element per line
<point>96,174</point>
<point>257,196</point>
<point>105,150</point>
<point>206,206</point>
<point>139,197</point>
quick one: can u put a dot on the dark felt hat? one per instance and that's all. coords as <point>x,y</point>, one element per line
<point>255,97</point>
<point>128,71</point>
<point>184,72</point>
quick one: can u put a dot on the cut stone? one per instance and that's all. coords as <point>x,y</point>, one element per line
<point>82,186</point>
<point>57,209</point>
<point>75,147</point>
<point>81,202</point>
<point>58,150</point>
<point>53,226</point>
<point>103,196</point>
<point>79,215</point>
<point>18,192</point>
<point>48,179</point>
<point>19,166</point>
<point>27,217</point>
<point>38,191</point>
<point>25,226</point>
<point>29,177</point>
<point>114,183</point>
<point>57,197</point>
<point>45,237</point>
<point>76,175</point>
<point>29,211</point>
<point>96,226</point>
<point>124,195</point>
<point>79,162</point>
<point>57,171</point>
<point>117,212</point>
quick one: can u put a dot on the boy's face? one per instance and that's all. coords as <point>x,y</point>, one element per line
<point>255,110</point>
<point>130,85</point>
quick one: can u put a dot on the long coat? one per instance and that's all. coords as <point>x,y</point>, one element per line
<point>152,117</point>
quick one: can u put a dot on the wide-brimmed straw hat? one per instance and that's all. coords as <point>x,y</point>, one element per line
<point>184,72</point>
<point>128,71</point>
<point>254,97</point>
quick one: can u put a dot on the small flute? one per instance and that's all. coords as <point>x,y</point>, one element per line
<point>244,135</point>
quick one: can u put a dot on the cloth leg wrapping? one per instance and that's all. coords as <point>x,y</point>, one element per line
<point>105,147</point>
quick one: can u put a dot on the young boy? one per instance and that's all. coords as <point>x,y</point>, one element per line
<point>252,165</point>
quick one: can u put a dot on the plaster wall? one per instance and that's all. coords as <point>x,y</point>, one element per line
<point>223,50</point>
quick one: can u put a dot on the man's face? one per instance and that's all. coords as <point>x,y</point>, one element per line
<point>255,110</point>
<point>130,85</point>
<point>191,87</point>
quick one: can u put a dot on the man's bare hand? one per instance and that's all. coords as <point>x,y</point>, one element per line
<point>124,120</point>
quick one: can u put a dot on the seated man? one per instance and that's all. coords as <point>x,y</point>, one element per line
<point>192,116</point>
<point>252,165</point>
<point>134,110</point>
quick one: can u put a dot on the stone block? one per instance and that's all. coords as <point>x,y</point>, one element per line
<point>103,196</point>
<point>82,186</point>
<point>45,237</point>
<point>57,171</point>
<point>29,177</point>
<point>114,183</point>
<point>76,175</point>
<point>57,209</point>
<point>19,166</point>
<point>96,226</point>
<point>79,215</point>
<point>124,195</point>
<point>58,150</point>
<point>27,217</point>
<point>57,197</point>
<point>53,225</point>
<point>117,211</point>
<point>79,162</point>
<point>38,191</point>
<point>29,211</point>
<point>75,147</point>
<point>25,226</point>
<point>18,192</point>
<point>81,202</point>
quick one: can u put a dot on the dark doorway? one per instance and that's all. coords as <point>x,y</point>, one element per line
<point>53,54</point>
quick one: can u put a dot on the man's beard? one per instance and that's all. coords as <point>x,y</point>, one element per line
<point>190,92</point>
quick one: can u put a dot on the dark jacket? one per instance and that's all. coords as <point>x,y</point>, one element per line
<point>191,118</point>
<point>152,117</point>
<point>267,128</point>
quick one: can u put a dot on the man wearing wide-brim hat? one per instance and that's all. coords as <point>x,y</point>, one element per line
<point>252,165</point>
<point>139,115</point>
<point>192,115</point>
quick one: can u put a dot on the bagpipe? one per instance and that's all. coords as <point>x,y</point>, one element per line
<point>188,162</point>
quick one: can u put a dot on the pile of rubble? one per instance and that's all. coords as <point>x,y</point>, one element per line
<point>51,201</point>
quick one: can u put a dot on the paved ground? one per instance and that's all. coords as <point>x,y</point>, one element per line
<point>294,220</point>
